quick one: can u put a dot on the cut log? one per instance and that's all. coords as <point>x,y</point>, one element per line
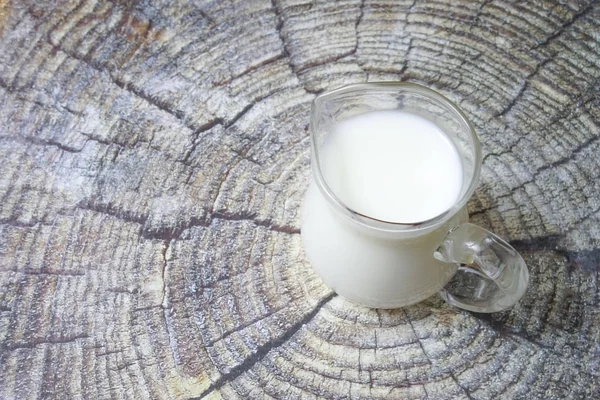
<point>153,160</point>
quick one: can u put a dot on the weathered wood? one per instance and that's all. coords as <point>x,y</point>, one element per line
<point>153,159</point>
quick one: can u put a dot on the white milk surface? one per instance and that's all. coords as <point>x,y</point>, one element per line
<point>392,165</point>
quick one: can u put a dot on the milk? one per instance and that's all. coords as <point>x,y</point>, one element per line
<point>393,166</point>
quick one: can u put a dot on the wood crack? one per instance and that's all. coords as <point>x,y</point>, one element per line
<point>326,60</point>
<point>41,142</point>
<point>240,328</point>
<point>109,352</point>
<point>567,25</point>
<point>55,272</point>
<point>51,340</point>
<point>108,209</point>
<point>279,29</point>
<point>128,87</point>
<point>263,350</point>
<point>581,147</point>
<point>475,20</point>
<point>519,337</point>
<point>175,232</point>
<point>524,87</point>
<point>163,273</point>
<point>358,21</point>
<point>164,303</point>
<point>465,390</point>
<point>266,223</point>
<point>252,68</point>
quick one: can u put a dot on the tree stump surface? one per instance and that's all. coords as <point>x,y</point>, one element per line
<point>153,160</point>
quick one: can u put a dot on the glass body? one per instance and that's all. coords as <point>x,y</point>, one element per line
<point>384,264</point>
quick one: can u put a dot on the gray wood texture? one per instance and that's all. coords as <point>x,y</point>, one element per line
<point>153,159</point>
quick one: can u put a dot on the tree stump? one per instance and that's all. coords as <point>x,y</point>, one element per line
<point>154,156</point>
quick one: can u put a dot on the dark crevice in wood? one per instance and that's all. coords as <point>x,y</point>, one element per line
<point>567,25</point>
<point>54,272</point>
<point>41,142</point>
<point>284,45</point>
<point>161,105</point>
<point>44,106</point>
<point>120,146</point>
<point>14,222</point>
<point>264,63</point>
<point>524,366</point>
<point>410,9</point>
<point>122,290</point>
<point>166,234</point>
<point>164,302</point>
<point>467,393</point>
<point>128,87</point>
<point>196,136</point>
<point>109,352</point>
<point>581,147</point>
<point>263,350</point>
<point>267,223</point>
<point>163,272</point>
<point>240,328</point>
<point>406,57</point>
<point>464,389</point>
<point>207,17</point>
<point>317,63</point>
<point>417,336</point>
<point>148,308</point>
<point>358,21</point>
<point>575,224</point>
<point>50,340</point>
<point>223,179</point>
<point>503,331</point>
<point>425,390</point>
<point>410,322</point>
<point>549,124</point>
<point>103,141</point>
<point>519,338</point>
<point>172,233</point>
<point>225,124</point>
<point>524,87</point>
<point>108,209</point>
<point>477,16</point>
<point>246,108</point>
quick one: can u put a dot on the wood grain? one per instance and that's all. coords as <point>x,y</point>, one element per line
<point>153,159</point>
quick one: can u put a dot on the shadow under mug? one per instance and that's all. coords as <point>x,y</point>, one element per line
<point>385,264</point>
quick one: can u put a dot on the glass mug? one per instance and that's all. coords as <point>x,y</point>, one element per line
<point>383,264</point>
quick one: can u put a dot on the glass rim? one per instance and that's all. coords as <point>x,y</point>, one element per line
<point>379,224</point>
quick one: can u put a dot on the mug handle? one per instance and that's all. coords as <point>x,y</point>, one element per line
<point>491,275</point>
